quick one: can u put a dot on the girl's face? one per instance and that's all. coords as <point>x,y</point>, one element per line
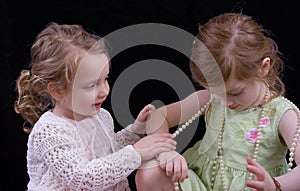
<point>90,87</point>
<point>244,94</point>
<point>241,95</point>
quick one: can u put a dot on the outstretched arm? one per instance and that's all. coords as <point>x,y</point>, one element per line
<point>169,116</point>
<point>176,113</point>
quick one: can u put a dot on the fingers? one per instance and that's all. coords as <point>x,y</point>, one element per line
<point>150,107</point>
<point>164,137</point>
<point>139,125</point>
<point>168,135</point>
<point>259,182</point>
<point>177,171</point>
<point>257,185</point>
<point>180,170</point>
<point>159,147</point>
<point>163,165</point>
<point>169,168</point>
<point>184,171</point>
<point>145,112</point>
<point>153,145</point>
<point>176,167</point>
<point>147,154</point>
<point>255,168</point>
<point>160,139</point>
<point>155,141</point>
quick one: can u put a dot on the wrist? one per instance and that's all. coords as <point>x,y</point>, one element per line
<point>134,130</point>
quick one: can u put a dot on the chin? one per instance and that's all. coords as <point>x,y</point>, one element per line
<point>239,108</point>
<point>88,114</point>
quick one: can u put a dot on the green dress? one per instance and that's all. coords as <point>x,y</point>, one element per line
<point>237,145</point>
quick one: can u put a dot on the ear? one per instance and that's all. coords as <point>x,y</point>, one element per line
<point>55,91</point>
<point>264,67</point>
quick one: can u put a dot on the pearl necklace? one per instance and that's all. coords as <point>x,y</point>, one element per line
<point>185,125</point>
<point>219,157</point>
<point>188,122</point>
<point>296,136</point>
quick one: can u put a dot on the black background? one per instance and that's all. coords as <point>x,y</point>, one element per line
<point>22,20</point>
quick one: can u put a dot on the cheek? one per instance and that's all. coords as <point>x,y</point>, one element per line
<point>83,104</point>
<point>83,99</point>
<point>247,98</point>
<point>241,100</point>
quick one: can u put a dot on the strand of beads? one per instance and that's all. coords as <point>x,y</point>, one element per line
<point>219,158</point>
<point>185,125</point>
<point>260,124</point>
<point>188,122</point>
<point>259,129</point>
<point>258,140</point>
<point>296,136</point>
<point>176,186</point>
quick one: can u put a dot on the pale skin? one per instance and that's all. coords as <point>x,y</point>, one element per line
<point>89,90</point>
<point>240,95</point>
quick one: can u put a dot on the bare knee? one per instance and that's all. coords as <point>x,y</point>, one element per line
<point>153,179</point>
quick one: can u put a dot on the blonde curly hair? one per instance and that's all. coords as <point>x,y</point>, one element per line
<point>55,55</point>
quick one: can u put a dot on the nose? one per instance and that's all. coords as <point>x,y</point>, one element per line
<point>103,90</point>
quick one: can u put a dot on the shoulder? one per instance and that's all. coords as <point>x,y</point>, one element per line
<point>103,113</point>
<point>50,124</point>
<point>280,105</point>
<point>47,119</point>
<point>287,108</point>
<point>288,123</point>
<point>50,132</point>
<point>105,116</point>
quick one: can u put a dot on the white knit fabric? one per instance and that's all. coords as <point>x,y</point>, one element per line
<point>86,155</point>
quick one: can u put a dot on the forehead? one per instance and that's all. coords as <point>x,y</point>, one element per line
<point>230,85</point>
<point>92,66</point>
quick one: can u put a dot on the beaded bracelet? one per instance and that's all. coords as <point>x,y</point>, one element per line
<point>277,184</point>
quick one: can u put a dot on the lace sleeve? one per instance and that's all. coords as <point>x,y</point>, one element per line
<point>126,137</point>
<point>64,157</point>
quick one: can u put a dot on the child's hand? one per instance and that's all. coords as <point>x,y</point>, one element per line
<point>153,145</point>
<point>262,180</point>
<point>139,126</point>
<point>174,165</point>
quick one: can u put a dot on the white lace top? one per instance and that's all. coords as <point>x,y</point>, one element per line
<point>80,155</point>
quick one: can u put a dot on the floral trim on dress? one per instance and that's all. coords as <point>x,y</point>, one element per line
<point>252,134</point>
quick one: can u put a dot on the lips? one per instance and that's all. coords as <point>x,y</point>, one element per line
<point>98,105</point>
<point>232,107</point>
